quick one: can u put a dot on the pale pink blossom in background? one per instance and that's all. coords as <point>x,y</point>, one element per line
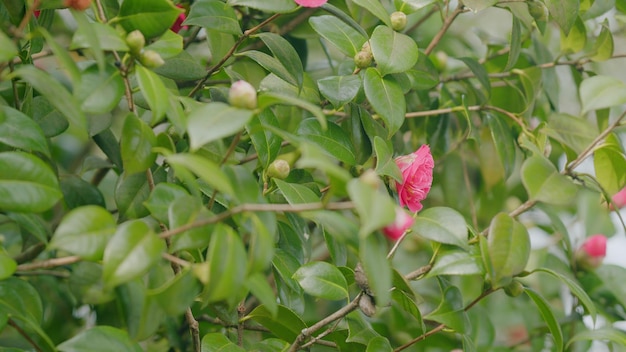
<point>592,252</point>
<point>619,199</point>
<point>417,177</point>
<point>311,3</point>
<point>402,223</point>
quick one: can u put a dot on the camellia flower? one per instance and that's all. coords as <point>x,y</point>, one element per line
<point>592,252</point>
<point>417,177</point>
<point>311,3</point>
<point>178,24</point>
<point>619,199</point>
<point>397,228</point>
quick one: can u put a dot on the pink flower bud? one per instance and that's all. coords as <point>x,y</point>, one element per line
<point>36,13</point>
<point>592,252</point>
<point>402,223</point>
<point>417,177</point>
<point>619,199</point>
<point>311,3</point>
<point>178,24</point>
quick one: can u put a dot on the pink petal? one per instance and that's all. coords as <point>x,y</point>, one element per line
<point>311,3</point>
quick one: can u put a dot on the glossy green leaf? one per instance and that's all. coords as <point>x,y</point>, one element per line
<point>136,145</point>
<point>375,208</point>
<point>99,91</point>
<point>153,89</point>
<point>603,45</point>
<point>217,342</point>
<point>27,184</point>
<point>376,8</point>
<point>386,98</point>
<point>373,256</point>
<point>450,310</point>
<point>564,13</point>
<point>444,225</point>
<point>516,44</point>
<point>574,132</point>
<point>55,92</point>
<point>279,6</point>
<point>32,224</point>
<point>479,71</point>
<point>141,312</point>
<point>161,197</point>
<point>271,64</point>
<point>613,277</point>
<point>456,262</point>
<point>599,92</point>
<point>297,193</point>
<point>339,90</point>
<point>394,52</point>
<point>169,45</point>
<point>184,210</point>
<point>214,15</point>
<point>610,166</point>
<point>508,249</point>
<point>51,121</point>
<point>385,164</point>
<point>205,169</point>
<point>20,131</point>
<point>322,280</point>
<point>213,121</point>
<point>543,182</point>
<point>360,330</point>
<point>63,56</point>
<point>261,242</point>
<point>100,339</point>
<point>7,265</point>
<point>269,99</point>
<point>407,303</point>
<point>150,17</point>
<point>503,142</point>
<point>286,324</point>
<point>574,288</point>
<point>261,289</point>
<point>575,40</point>
<point>379,344</point>
<point>347,39</point>
<point>548,317</point>
<point>285,265</point>
<point>131,192</point>
<point>333,139</point>
<point>177,294</point>
<point>131,252</point>
<point>89,31</point>
<point>409,6</point>
<point>106,36</point>
<point>266,143</point>
<point>78,192</point>
<point>285,53</point>
<point>601,334</point>
<point>85,232</point>
<point>183,67</point>
<point>7,48</point>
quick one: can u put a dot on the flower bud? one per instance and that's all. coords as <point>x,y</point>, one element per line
<point>592,252</point>
<point>136,41</point>
<point>366,304</point>
<point>363,59</point>
<point>242,95</point>
<point>619,199</point>
<point>311,3</point>
<point>371,178</point>
<point>537,10</point>
<point>151,59</point>
<point>366,47</point>
<point>178,24</point>
<point>278,169</point>
<point>400,225</point>
<point>80,5</point>
<point>514,288</point>
<point>398,20</point>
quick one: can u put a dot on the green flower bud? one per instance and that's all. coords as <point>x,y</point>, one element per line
<point>371,178</point>
<point>278,169</point>
<point>366,47</point>
<point>514,289</point>
<point>538,10</point>
<point>242,95</point>
<point>136,41</point>
<point>363,59</point>
<point>398,20</point>
<point>151,59</point>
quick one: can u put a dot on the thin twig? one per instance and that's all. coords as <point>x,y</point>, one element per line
<point>446,24</point>
<point>50,263</point>
<point>25,335</point>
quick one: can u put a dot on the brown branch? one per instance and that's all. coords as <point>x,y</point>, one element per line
<point>25,335</point>
<point>446,24</point>
<point>50,263</point>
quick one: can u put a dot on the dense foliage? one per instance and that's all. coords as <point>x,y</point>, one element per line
<point>351,175</point>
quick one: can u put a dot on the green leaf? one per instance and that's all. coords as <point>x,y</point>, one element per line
<point>150,17</point>
<point>508,246</point>
<point>217,342</point>
<point>51,121</point>
<point>8,50</point>
<point>269,99</point>
<point>20,131</point>
<point>455,262</point>
<point>576,39</point>
<point>285,265</point>
<point>359,330</point>
<point>153,89</point>
<point>503,142</point>
<point>408,304</point>
<point>564,13</point>
<point>479,71</point>
<point>55,92</point>
<point>215,15</point>
<point>379,344</point>
<point>104,36</point>
<point>207,170</point>
<point>450,310</point>
<point>339,90</point>
<point>182,67</point>
<point>574,132</point>
<point>296,193</point>
<point>7,265</point>
<point>610,166</point>
<point>78,192</point>
<point>62,55</point>
<point>373,257</point>
<point>599,92</point>
<point>409,6</point>
<point>333,139</point>
<point>548,317</point>
<point>33,224</point>
<point>613,278</point>
<point>603,45</point>
<point>322,280</point>
<point>261,289</point>
<point>375,208</point>
<point>27,184</point>
<point>601,334</point>
<point>479,5</point>
<point>85,232</point>
<point>99,91</point>
<point>574,288</point>
<point>285,53</point>
<point>386,98</point>
<point>279,6</point>
<point>184,210</point>
<point>394,52</point>
<point>100,339</point>
<point>516,44</point>
<point>131,252</point>
<point>177,294</point>
<point>161,197</point>
<point>213,121</point>
<point>136,145</point>
<point>271,64</point>
<point>89,30</point>
<point>286,324</point>
<point>543,182</point>
<point>376,8</point>
<point>385,164</point>
<point>131,192</point>
<point>343,36</point>
<point>266,143</point>
<point>444,225</point>
<point>169,45</point>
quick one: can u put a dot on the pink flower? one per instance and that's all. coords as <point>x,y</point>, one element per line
<point>592,252</point>
<point>619,199</point>
<point>311,3</point>
<point>178,24</point>
<point>417,177</point>
<point>402,223</point>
